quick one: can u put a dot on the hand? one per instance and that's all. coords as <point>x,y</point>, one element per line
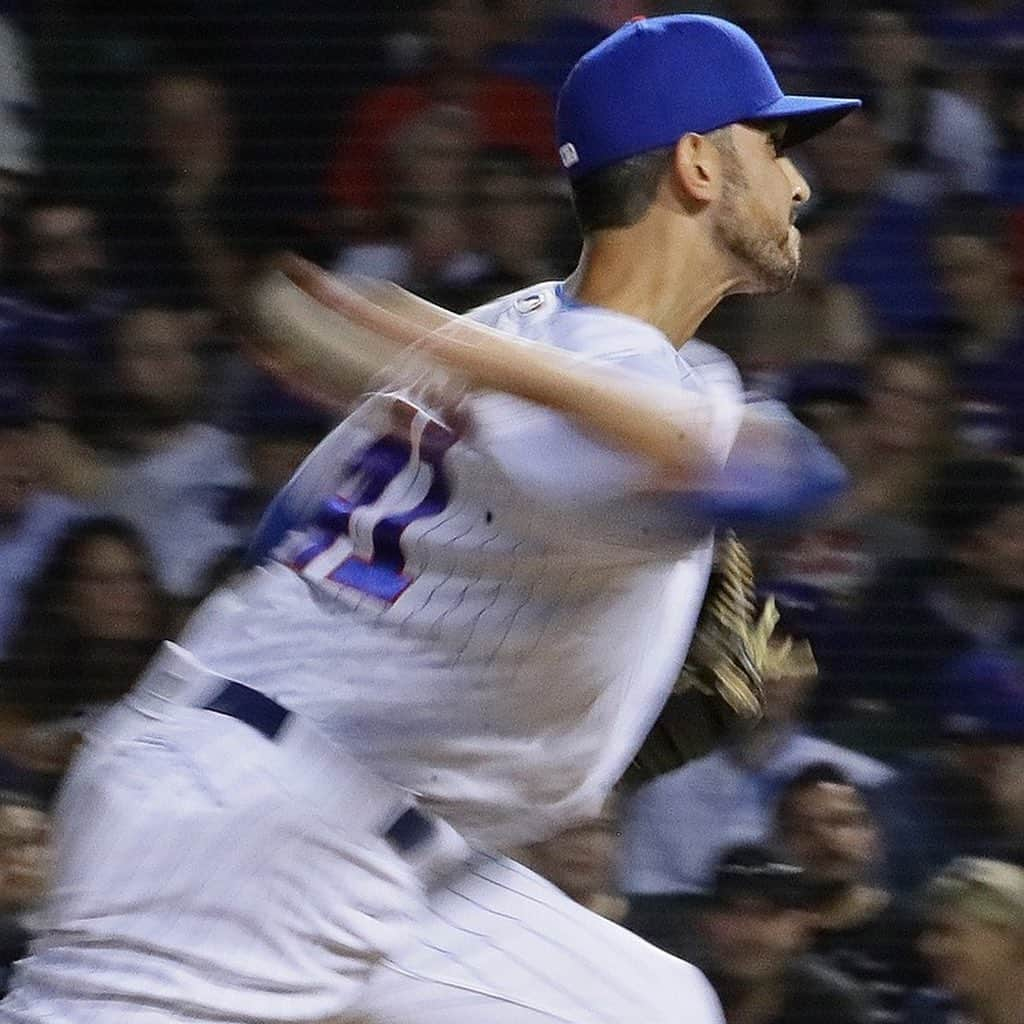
<point>39,747</point>
<point>25,856</point>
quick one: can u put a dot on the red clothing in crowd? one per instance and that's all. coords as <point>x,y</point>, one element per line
<point>507,113</point>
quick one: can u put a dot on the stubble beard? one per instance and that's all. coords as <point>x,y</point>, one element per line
<point>747,233</point>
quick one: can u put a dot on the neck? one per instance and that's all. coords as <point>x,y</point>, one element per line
<point>637,271</point>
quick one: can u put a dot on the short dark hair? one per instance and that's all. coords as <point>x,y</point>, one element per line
<point>817,773</point>
<point>756,871</point>
<point>618,196</point>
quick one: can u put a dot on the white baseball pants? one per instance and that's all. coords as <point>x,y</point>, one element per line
<point>207,873</point>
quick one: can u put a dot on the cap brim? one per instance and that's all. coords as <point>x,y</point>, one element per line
<point>805,115</point>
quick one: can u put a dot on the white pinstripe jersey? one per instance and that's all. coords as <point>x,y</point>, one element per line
<point>491,621</point>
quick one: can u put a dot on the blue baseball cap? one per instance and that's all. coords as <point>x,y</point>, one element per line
<point>656,79</point>
<point>981,697</point>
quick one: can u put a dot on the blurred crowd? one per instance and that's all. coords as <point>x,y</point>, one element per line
<point>859,855</point>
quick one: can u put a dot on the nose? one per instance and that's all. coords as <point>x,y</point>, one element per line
<point>798,183</point>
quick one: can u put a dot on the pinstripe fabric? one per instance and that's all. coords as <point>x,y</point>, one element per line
<point>488,622</point>
<point>534,602</point>
<point>209,874</point>
<point>241,890</point>
<point>500,944</point>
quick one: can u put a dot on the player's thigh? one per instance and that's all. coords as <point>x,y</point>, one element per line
<point>182,856</point>
<point>502,945</point>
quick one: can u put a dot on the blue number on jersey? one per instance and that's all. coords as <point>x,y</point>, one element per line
<point>382,574</point>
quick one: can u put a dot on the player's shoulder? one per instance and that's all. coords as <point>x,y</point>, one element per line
<point>530,299</point>
<point>546,313</point>
<point>710,364</point>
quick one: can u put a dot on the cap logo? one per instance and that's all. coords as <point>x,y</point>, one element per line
<point>568,154</point>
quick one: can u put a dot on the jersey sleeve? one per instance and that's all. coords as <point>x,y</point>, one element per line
<point>766,468</point>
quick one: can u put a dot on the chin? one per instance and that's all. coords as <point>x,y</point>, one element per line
<point>769,264</point>
<point>780,277</point>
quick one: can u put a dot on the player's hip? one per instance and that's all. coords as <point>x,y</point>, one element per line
<point>237,747</point>
<point>206,852</point>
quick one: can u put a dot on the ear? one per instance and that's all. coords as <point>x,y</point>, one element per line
<point>698,167</point>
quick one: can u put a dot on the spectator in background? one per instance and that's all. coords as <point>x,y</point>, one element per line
<point>803,42</point>
<point>539,41</point>
<point>60,303</point>
<point>943,140</point>
<point>970,784</point>
<point>891,427</point>
<point>992,30</point>
<point>907,392</point>
<point>676,826</point>
<point>861,232</point>
<point>1008,108</point>
<point>174,232</point>
<point>18,109</point>
<point>974,940</point>
<point>828,397</point>
<point>862,928</point>
<point>985,322</point>
<point>921,614</point>
<point>581,860</point>
<point>756,925</point>
<point>511,212</point>
<point>278,430</point>
<point>906,433</point>
<point>155,462</point>
<point>25,867</point>
<point>1009,192</point>
<point>502,111</point>
<point>92,620</point>
<point>176,477</point>
<point>31,519</point>
<point>424,244</point>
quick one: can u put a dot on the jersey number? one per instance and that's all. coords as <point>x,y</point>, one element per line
<point>355,538</point>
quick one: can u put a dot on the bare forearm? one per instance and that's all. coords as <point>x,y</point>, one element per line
<point>333,337</point>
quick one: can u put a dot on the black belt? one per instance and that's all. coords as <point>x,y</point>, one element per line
<point>267,717</point>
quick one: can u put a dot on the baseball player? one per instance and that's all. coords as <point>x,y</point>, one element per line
<point>458,634</point>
